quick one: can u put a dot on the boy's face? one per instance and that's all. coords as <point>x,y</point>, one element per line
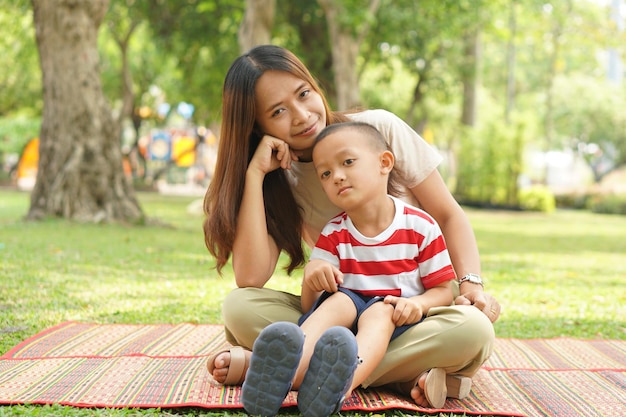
<point>352,172</point>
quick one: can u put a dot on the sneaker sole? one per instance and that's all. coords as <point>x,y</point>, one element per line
<point>275,357</point>
<point>330,373</point>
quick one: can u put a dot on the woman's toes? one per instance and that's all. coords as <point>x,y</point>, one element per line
<point>417,393</point>
<point>221,367</point>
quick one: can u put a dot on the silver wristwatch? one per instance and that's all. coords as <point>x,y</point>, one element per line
<point>473,278</point>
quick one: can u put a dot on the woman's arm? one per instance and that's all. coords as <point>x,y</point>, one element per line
<point>255,253</point>
<point>434,197</point>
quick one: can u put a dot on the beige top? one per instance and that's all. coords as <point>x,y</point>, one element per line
<point>415,160</point>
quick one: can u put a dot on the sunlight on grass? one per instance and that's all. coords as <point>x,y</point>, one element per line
<point>555,275</point>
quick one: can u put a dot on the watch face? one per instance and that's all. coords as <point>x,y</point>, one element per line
<point>472,278</point>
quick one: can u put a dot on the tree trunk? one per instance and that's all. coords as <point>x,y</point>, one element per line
<point>122,39</point>
<point>471,78</point>
<point>314,42</point>
<point>256,27</point>
<point>345,50</point>
<point>556,37</point>
<point>80,175</point>
<point>510,62</point>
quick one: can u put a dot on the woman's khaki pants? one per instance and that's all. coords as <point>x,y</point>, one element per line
<point>458,339</point>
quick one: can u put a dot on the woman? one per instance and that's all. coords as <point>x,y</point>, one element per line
<point>265,198</point>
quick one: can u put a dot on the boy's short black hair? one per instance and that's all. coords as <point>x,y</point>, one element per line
<point>375,139</point>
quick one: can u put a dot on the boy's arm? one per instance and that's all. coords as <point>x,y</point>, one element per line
<point>319,275</point>
<point>410,310</point>
<point>437,296</point>
<point>308,298</point>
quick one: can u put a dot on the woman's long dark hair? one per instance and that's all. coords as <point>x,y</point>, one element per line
<point>238,141</point>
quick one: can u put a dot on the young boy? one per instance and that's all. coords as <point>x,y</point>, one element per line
<point>377,269</point>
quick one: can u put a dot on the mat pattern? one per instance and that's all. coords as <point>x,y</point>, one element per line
<point>114,365</point>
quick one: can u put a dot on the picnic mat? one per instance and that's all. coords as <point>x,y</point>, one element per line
<point>117,365</point>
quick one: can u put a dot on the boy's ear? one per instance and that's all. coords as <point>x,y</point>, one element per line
<point>386,162</point>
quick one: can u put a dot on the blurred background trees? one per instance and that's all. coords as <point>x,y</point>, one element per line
<point>510,91</point>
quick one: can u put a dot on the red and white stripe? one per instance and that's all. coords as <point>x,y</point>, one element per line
<point>406,259</point>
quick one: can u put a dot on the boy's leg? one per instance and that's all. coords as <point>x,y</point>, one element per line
<point>336,310</point>
<point>247,311</point>
<point>375,328</point>
<point>458,339</point>
<point>329,377</point>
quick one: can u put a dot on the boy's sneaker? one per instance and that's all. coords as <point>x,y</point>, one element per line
<point>275,358</point>
<point>330,373</point>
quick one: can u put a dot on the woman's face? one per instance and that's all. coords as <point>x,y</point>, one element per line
<point>289,109</point>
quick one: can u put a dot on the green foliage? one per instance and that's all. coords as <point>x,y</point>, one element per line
<point>422,39</point>
<point>149,69</point>
<point>16,131</point>
<point>20,77</point>
<point>180,49</point>
<point>300,26</point>
<point>589,110</point>
<point>490,163</point>
<point>201,36</point>
<point>608,203</point>
<point>395,77</point>
<point>411,62</point>
<point>537,198</point>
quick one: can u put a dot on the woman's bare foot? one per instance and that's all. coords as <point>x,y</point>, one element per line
<point>221,367</point>
<point>417,393</point>
<point>227,373</point>
<point>430,390</point>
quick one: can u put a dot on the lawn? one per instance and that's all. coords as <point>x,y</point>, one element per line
<point>561,274</point>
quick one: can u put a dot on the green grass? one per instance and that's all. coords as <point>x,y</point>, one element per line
<point>562,274</point>
<point>555,275</point>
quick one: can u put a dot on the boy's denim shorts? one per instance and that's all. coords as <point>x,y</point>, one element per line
<point>361,302</point>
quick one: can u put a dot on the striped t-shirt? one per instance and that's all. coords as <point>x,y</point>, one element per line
<point>406,259</point>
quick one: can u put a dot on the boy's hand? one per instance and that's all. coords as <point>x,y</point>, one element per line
<point>319,275</point>
<point>406,310</point>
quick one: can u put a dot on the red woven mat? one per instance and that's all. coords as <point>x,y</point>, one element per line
<point>91,365</point>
